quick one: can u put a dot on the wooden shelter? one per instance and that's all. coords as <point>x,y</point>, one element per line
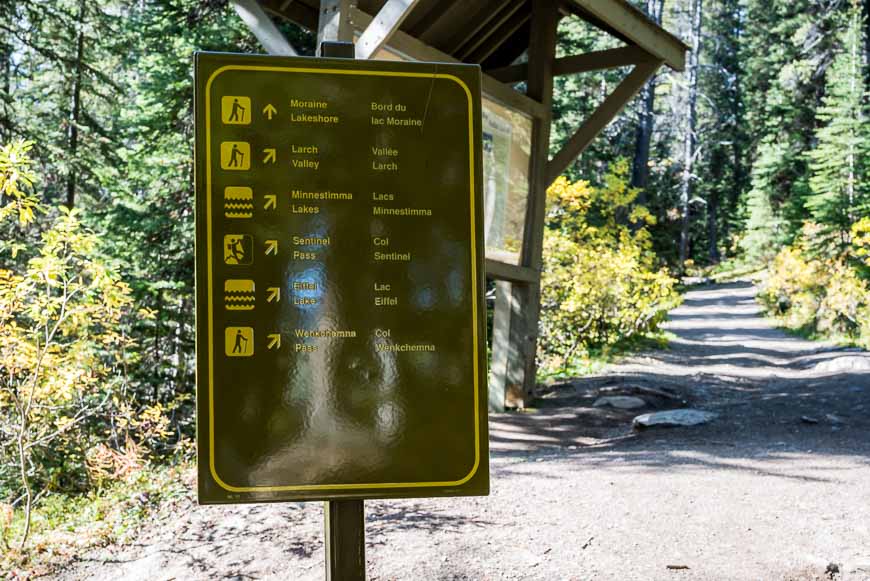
<point>514,41</point>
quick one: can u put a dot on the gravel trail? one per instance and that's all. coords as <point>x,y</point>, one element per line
<point>778,487</point>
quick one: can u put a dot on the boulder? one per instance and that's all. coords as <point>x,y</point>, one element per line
<point>674,418</point>
<point>845,363</point>
<point>620,402</point>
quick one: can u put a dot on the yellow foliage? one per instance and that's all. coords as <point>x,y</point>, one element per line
<point>16,177</point>
<point>600,282</point>
<point>826,296</point>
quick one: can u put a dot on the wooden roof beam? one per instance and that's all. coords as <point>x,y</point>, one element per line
<point>483,33</point>
<point>292,11</point>
<point>600,118</point>
<point>580,63</point>
<point>385,23</point>
<point>634,25</point>
<point>495,40</point>
<point>256,19</point>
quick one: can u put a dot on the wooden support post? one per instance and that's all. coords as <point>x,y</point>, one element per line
<point>516,316</point>
<point>334,22</point>
<point>344,529</point>
<point>381,28</point>
<point>508,340</point>
<point>256,19</point>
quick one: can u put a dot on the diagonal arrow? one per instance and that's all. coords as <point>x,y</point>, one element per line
<point>269,110</point>
<point>271,155</point>
<point>271,202</point>
<point>274,341</point>
<point>273,293</point>
<point>271,247</point>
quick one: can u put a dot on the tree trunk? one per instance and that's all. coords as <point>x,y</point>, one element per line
<point>6,97</point>
<point>713,203</point>
<point>689,142</point>
<point>640,165</point>
<point>735,192</point>
<point>75,110</point>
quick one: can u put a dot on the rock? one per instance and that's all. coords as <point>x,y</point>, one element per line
<point>621,402</point>
<point>846,363</point>
<point>671,418</point>
<point>636,390</point>
<point>809,420</point>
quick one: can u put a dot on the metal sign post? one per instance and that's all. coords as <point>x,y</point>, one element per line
<point>344,521</point>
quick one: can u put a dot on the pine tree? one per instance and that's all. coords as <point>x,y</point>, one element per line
<point>840,179</point>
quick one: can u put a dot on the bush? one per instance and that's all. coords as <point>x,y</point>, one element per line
<point>820,296</point>
<point>600,284</point>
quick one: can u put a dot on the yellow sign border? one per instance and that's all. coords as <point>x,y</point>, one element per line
<point>474,314</point>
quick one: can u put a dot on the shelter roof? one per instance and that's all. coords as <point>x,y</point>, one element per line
<point>494,33</point>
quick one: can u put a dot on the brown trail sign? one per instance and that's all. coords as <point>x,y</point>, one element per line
<point>339,269</point>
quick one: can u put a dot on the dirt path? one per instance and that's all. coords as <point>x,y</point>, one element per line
<point>757,494</point>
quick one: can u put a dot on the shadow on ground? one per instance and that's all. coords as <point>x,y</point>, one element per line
<point>726,358</point>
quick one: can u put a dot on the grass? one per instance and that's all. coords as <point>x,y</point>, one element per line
<point>66,525</point>
<point>598,358</point>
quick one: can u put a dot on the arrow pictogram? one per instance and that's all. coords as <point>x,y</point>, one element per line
<point>273,294</point>
<point>271,155</point>
<point>274,341</point>
<point>271,202</point>
<point>271,247</point>
<point>269,110</point>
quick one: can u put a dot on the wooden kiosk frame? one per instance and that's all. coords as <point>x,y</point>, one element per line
<point>496,34</point>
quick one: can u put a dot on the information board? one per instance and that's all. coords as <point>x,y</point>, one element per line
<point>339,271</point>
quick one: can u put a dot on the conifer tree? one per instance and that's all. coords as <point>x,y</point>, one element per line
<point>839,162</point>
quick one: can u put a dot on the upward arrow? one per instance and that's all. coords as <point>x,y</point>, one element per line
<point>269,110</point>
<point>270,155</point>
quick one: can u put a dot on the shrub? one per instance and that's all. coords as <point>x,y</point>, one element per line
<point>600,283</point>
<point>824,296</point>
<point>794,289</point>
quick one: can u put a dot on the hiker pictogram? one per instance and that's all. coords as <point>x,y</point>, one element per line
<point>236,110</point>
<point>235,155</point>
<point>239,341</point>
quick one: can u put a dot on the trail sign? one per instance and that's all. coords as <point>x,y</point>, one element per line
<point>339,273</point>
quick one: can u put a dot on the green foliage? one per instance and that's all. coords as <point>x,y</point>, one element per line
<point>67,524</point>
<point>600,282</point>
<point>840,162</point>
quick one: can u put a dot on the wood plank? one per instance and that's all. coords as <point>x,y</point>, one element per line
<point>600,118</point>
<point>580,63</point>
<point>496,40</point>
<point>261,25</point>
<point>383,26</point>
<point>482,33</point>
<point>511,272</point>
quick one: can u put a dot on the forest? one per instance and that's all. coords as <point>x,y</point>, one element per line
<point>756,159</point>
